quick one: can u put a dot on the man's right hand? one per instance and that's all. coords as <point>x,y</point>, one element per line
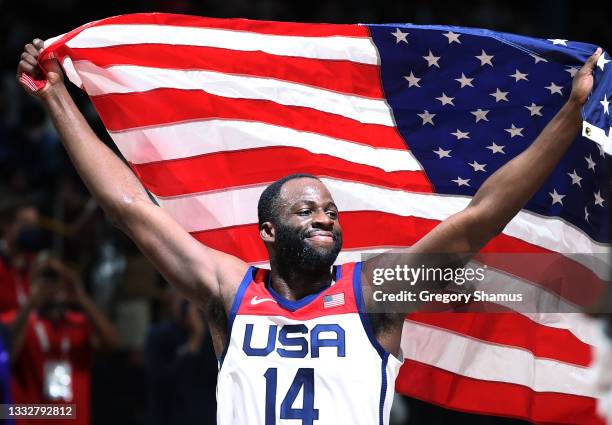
<point>36,81</point>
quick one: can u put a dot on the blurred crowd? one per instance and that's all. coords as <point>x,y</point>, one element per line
<point>84,318</point>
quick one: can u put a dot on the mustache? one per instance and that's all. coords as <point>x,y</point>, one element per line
<point>335,234</point>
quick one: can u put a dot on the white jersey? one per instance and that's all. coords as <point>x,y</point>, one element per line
<point>307,362</point>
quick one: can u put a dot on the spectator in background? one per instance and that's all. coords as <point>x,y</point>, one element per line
<point>181,368</point>
<point>5,378</point>
<point>21,241</point>
<point>53,337</point>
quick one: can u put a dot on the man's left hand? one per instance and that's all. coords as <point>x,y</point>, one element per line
<point>583,81</point>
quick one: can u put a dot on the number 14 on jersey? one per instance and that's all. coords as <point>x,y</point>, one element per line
<point>304,379</point>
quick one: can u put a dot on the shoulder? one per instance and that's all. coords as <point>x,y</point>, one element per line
<point>232,275</point>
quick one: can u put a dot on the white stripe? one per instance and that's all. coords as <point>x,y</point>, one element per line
<point>131,78</point>
<point>492,362</point>
<point>598,135</point>
<point>52,40</point>
<point>238,206</point>
<point>534,297</point>
<point>354,49</point>
<point>203,137</point>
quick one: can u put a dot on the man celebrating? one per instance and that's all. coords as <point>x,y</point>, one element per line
<point>295,342</point>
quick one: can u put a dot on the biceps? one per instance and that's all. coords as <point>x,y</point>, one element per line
<point>181,259</point>
<point>460,233</point>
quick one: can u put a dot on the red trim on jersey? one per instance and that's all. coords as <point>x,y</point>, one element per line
<point>257,291</point>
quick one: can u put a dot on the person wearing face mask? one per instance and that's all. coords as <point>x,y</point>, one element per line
<point>22,239</point>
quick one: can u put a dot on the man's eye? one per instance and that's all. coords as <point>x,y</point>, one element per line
<point>332,214</point>
<point>303,212</point>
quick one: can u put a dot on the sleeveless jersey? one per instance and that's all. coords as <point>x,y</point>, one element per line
<point>313,361</point>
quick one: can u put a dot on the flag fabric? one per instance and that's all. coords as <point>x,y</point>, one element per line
<point>402,123</point>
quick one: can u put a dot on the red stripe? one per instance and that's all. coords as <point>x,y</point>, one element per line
<point>262,166</point>
<point>513,330</point>
<point>453,391</point>
<point>158,107</point>
<point>337,75</point>
<point>397,231</point>
<point>263,27</point>
<point>391,230</point>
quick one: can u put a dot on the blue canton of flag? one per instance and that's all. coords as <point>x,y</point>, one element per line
<point>466,101</point>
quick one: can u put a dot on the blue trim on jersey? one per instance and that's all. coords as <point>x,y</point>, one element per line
<point>338,272</point>
<point>362,311</point>
<point>383,389</point>
<point>294,305</point>
<point>246,281</point>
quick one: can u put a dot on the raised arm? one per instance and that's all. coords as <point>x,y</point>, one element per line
<point>197,271</point>
<point>496,202</point>
<point>503,194</point>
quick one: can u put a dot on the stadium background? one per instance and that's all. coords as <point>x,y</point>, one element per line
<point>34,169</point>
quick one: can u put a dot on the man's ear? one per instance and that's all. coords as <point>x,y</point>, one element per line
<point>267,232</point>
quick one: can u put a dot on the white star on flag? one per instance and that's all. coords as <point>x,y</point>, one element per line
<point>480,114</point>
<point>586,214</point>
<point>496,149</point>
<point>452,37</point>
<point>478,167</point>
<point>537,58</point>
<point>499,95</point>
<point>557,198</point>
<point>602,152</point>
<point>400,36</point>
<point>518,75</point>
<point>590,162</point>
<point>514,131</point>
<point>554,88</point>
<point>461,182</point>
<point>445,99</point>
<point>461,135</point>
<point>572,71</point>
<point>534,109</point>
<point>575,178</point>
<point>605,103</point>
<point>442,153</point>
<point>427,117</point>
<point>464,81</point>
<point>602,61</point>
<point>485,59</point>
<point>598,199</point>
<point>558,41</point>
<point>412,80</point>
<point>432,60</point>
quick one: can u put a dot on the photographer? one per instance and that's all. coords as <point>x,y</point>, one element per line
<point>53,338</point>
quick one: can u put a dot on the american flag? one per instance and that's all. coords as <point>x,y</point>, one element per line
<point>402,123</point>
<point>334,300</point>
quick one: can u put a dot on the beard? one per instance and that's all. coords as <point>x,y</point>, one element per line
<point>295,253</point>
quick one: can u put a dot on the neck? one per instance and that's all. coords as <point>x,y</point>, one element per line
<point>294,284</point>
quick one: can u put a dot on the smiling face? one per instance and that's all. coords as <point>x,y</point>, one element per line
<point>306,234</point>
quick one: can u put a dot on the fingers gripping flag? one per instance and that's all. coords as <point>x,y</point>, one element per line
<point>403,123</point>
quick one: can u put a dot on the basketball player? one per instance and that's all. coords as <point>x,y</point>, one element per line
<point>295,344</point>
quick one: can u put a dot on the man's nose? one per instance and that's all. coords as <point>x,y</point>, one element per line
<point>322,219</point>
